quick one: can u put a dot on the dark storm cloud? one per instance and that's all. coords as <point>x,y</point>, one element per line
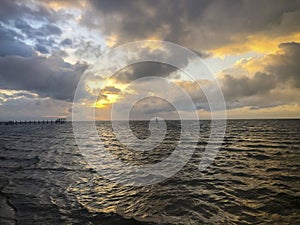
<point>144,69</point>
<point>10,10</point>
<point>49,41</point>
<point>196,24</point>
<point>44,30</point>
<point>43,35</point>
<point>14,47</point>
<point>31,22</point>
<point>22,25</point>
<point>244,86</point>
<point>135,20</point>
<point>10,44</point>
<point>66,42</point>
<point>41,49</point>
<point>50,29</point>
<point>19,17</point>
<point>156,67</point>
<point>286,66</point>
<point>51,77</point>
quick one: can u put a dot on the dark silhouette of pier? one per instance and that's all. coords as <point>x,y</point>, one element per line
<point>16,122</point>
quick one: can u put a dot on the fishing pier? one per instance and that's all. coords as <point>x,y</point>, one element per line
<point>16,122</point>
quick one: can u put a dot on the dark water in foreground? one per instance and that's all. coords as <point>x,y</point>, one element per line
<point>254,179</point>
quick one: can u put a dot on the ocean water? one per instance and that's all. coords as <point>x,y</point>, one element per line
<point>254,179</point>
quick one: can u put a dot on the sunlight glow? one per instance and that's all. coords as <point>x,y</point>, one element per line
<point>256,43</point>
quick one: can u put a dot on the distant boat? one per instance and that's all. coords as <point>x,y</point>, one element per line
<point>61,120</point>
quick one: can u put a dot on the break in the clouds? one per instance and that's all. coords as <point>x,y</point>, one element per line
<point>46,46</point>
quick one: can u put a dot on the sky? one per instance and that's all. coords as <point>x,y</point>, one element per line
<point>251,47</point>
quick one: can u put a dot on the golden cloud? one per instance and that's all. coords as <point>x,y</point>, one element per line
<point>254,43</point>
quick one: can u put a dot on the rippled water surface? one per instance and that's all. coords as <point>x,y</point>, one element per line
<point>254,179</point>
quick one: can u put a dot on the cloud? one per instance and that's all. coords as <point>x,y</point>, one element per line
<point>6,95</point>
<point>13,47</point>
<point>209,28</point>
<point>33,108</point>
<point>153,68</point>
<point>48,77</point>
<point>12,9</point>
<point>41,49</point>
<point>274,84</point>
<point>199,25</point>
<point>237,87</point>
<point>87,50</point>
<point>42,35</point>
<point>17,94</point>
<point>145,69</point>
<point>45,30</point>
<point>151,107</point>
<point>66,42</point>
<point>10,44</point>
<point>285,66</point>
<point>277,81</point>
<point>280,69</point>
<point>111,90</point>
<point>32,23</point>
